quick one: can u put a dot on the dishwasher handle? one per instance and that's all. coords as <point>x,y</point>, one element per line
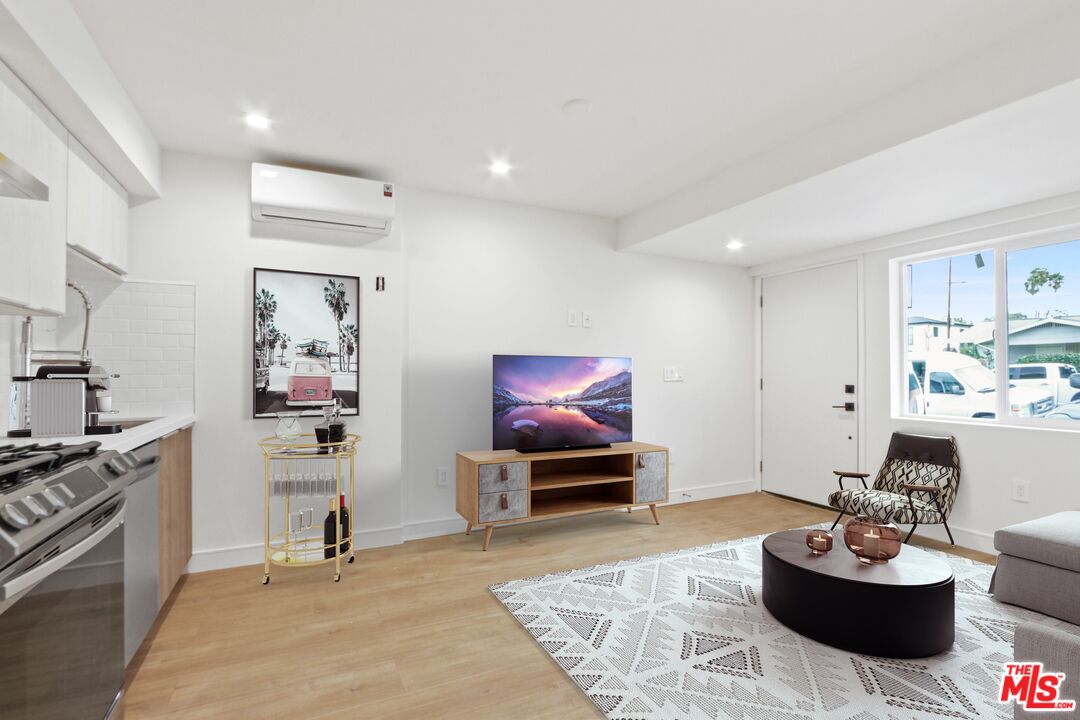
<point>39,572</point>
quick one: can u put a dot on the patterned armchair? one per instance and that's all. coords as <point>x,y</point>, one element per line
<point>916,484</point>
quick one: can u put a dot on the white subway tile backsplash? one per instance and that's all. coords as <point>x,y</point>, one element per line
<point>146,353</point>
<point>179,327</point>
<point>163,313</point>
<point>145,332</point>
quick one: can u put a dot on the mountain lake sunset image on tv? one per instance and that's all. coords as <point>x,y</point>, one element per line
<point>547,402</point>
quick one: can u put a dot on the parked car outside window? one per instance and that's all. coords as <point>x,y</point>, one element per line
<point>1051,377</point>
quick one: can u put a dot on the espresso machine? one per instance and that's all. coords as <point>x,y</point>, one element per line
<point>66,394</point>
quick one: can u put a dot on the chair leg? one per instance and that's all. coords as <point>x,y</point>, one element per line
<point>947,530</point>
<point>911,532</point>
<point>837,521</point>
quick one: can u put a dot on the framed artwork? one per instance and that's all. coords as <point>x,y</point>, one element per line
<point>306,342</point>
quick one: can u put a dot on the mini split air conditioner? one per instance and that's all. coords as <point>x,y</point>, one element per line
<point>317,199</point>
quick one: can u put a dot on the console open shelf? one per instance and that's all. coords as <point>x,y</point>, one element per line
<point>500,487</point>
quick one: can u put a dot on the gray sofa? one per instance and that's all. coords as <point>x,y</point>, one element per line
<point>1039,565</point>
<point>1039,568</point>
<point>1059,651</point>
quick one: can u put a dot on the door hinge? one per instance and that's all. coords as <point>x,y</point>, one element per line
<point>761,384</point>
<point>761,466</point>
<point>761,301</point>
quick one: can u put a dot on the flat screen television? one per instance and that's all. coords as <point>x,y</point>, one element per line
<point>551,402</point>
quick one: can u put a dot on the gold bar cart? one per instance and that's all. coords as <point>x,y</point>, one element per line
<point>292,548</point>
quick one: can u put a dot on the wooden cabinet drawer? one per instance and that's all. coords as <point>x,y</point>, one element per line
<point>492,510</point>
<point>492,477</point>
<point>650,469</point>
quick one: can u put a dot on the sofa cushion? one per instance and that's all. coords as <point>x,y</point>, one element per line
<point>1052,540</point>
<point>1037,586</point>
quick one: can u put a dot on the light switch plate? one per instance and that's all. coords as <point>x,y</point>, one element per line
<point>586,319</point>
<point>440,477</point>
<point>571,318</point>
<point>673,373</point>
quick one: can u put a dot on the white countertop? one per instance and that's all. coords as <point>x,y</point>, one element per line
<point>127,439</point>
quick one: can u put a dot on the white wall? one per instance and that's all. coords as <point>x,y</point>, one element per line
<point>201,231</point>
<point>488,277</point>
<point>991,457</point>
<point>467,278</point>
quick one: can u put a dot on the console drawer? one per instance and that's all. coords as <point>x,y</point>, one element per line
<point>492,510</point>
<point>516,474</point>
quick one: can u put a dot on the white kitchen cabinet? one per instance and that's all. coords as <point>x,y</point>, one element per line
<point>32,232</point>
<point>97,210</point>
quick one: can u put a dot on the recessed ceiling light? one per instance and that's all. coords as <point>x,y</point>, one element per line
<point>577,106</point>
<point>734,245</point>
<point>259,122</point>
<point>499,167</point>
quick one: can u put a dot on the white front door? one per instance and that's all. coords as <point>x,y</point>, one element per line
<point>809,357</point>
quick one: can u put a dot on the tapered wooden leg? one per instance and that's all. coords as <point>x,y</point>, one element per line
<point>487,535</point>
<point>655,517</point>
<point>629,510</point>
<point>468,528</point>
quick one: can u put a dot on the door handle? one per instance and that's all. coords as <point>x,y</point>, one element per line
<point>846,407</point>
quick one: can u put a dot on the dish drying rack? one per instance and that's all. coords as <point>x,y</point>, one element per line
<point>299,469</point>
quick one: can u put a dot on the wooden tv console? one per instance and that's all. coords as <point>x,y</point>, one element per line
<point>503,486</point>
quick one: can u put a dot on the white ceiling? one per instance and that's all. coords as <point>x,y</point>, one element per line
<point>425,93</point>
<point>1020,152</point>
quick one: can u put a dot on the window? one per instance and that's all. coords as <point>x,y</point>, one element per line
<point>952,362</point>
<point>1032,349</point>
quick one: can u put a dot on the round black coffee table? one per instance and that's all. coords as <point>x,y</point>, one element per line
<point>902,609</point>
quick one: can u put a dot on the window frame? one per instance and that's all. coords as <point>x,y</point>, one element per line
<point>999,250</point>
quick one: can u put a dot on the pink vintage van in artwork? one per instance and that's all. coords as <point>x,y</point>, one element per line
<point>310,382</point>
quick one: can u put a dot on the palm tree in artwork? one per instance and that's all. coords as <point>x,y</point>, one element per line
<point>334,295</point>
<point>283,343</point>
<point>265,307</point>
<point>273,335</point>
<point>350,339</point>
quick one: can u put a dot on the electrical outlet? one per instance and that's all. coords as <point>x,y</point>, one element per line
<point>571,318</point>
<point>1021,491</point>
<point>586,319</point>
<point>440,477</point>
<point>673,373</point>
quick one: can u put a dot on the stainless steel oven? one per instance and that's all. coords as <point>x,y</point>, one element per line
<point>62,622</point>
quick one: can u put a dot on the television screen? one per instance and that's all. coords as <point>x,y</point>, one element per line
<point>542,402</point>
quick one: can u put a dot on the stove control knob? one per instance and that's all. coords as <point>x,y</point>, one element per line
<point>14,517</point>
<point>37,510</point>
<point>116,467</point>
<point>54,499</point>
<point>63,492</point>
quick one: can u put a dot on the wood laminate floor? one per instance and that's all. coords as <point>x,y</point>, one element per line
<point>411,631</point>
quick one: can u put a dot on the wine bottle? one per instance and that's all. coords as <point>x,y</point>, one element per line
<point>344,525</point>
<point>329,532</point>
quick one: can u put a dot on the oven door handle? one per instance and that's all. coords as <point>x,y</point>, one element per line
<point>36,574</point>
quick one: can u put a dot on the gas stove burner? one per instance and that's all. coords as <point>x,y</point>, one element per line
<point>21,463</point>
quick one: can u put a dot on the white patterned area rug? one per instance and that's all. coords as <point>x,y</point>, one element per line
<point>684,635</point>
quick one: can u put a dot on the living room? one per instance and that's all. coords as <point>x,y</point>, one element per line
<point>591,340</point>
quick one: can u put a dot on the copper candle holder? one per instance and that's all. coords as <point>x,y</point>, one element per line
<point>872,541</point>
<point>819,541</point>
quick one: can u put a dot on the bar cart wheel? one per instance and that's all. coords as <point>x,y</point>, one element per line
<point>337,577</point>
<point>266,579</point>
<point>352,559</point>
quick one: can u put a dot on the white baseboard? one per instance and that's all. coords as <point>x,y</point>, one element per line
<point>971,539</point>
<point>433,528</point>
<point>240,555</point>
<point>708,492</point>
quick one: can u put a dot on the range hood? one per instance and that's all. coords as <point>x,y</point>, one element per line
<point>17,182</point>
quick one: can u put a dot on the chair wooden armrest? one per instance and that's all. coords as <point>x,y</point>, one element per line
<point>909,488</point>
<point>844,473</point>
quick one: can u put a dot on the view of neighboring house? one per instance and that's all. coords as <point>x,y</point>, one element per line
<point>1030,336</point>
<point>932,335</point>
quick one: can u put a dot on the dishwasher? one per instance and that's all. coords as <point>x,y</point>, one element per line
<point>142,543</point>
